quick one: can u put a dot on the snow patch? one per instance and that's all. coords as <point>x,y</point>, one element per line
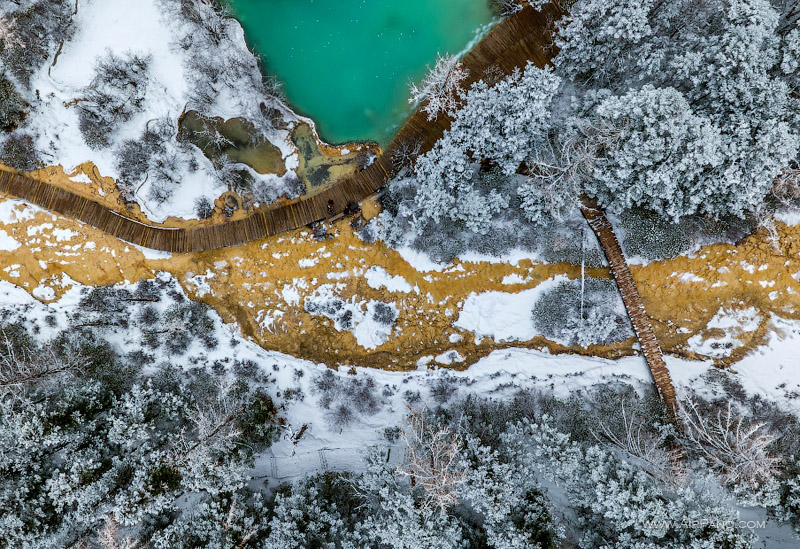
<point>732,323</point>
<point>7,243</point>
<point>378,278</point>
<point>503,316</point>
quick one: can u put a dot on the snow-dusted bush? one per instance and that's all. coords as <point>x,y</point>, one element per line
<point>203,207</point>
<point>368,232</point>
<point>322,511</point>
<point>651,236</point>
<point>346,396</point>
<point>19,151</point>
<point>154,157</point>
<point>267,192</point>
<point>30,31</point>
<point>12,106</point>
<point>116,93</point>
<point>584,314</point>
<point>561,243</point>
<point>384,314</point>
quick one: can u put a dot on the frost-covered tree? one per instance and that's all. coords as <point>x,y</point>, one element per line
<point>321,511</point>
<point>616,503</point>
<point>432,460</point>
<point>737,448</point>
<point>582,312</point>
<point>395,516</point>
<point>501,123</point>
<point>439,90</point>
<point>683,108</point>
<point>88,446</point>
<point>514,510</point>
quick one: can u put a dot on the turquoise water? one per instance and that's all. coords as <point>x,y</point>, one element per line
<point>347,63</point>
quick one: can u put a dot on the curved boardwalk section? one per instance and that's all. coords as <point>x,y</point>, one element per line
<point>521,38</point>
<point>633,301</point>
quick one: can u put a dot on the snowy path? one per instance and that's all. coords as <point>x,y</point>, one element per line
<point>277,469</point>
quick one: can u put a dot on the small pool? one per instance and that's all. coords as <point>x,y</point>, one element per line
<point>347,63</point>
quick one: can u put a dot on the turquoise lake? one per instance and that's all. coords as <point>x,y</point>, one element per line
<point>347,63</point>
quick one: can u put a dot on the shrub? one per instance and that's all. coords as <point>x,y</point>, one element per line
<point>203,207</point>
<point>149,290</point>
<point>561,243</point>
<point>557,313</point>
<point>116,93</point>
<point>368,233</point>
<point>341,416</point>
<point>442,241</point>
<point>185,322</point>
<point>496,242</point>
<point>653,236</point>
<point>294,185</point>
<point>257,420</point>
<point>149,318</point>
<point>442,390</point>
<point>384,314</point>
<point>19,152</point>
<point>150,157</point>
<point>12,106</point>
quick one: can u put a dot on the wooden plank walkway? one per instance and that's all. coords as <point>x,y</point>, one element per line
<point>633,301</point>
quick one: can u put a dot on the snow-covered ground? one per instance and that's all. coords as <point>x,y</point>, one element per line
<point>771,371</point>
<point>121,27</point>
<point>503,316</point>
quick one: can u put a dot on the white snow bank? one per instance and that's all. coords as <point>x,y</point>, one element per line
<point>378,278</point>
<point>7,242</point>
<point>503,316</point>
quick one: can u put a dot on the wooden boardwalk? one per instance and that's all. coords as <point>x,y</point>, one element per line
<point>633,301</point>
<point>511,44</point>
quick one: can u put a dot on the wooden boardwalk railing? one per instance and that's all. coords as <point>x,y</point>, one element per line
<point>633,301</point>
<point>511,44</point>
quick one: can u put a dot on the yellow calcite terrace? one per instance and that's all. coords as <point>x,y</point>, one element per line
<point>262,287</point>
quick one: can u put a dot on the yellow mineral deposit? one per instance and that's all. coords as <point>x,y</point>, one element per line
<point>262,285</point>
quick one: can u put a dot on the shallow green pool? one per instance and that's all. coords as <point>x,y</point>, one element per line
<point>347,63</point>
